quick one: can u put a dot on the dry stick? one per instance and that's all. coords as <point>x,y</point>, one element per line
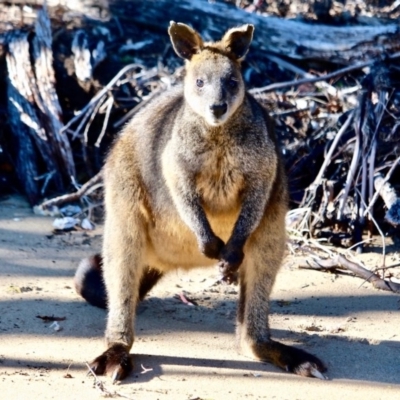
<point>328,158</point>
<point>341,262</point>
<point>388,267</point>
<point>387,177</point>
<point>323,85</point>
<point>83,190</point>
<point>134,110</point>
<point>364,173</point>
<point>100,94</point>
<point>379,110</point>
<point>342,130</point>
<point>47,99</point>
<point>109,103</point>
<point>92,116</point>
<point>283,85</point>
<point>100,385</point>
<point>354,162</point>
<point>86,116</point>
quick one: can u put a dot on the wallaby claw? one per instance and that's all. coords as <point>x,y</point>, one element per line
<point>115,362</point>
<point>316,374</point>
<point>310,369</point>
<point>230,261</point>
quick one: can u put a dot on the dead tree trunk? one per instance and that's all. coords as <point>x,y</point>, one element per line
<point>286,37</point>
<point>42,152</point>
<point>291,38</point>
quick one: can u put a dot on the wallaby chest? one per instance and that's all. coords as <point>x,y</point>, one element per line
<point>219,179</point>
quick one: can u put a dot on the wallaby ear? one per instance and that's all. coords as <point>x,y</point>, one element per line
<point>186,41</point>
<point>237,40</point>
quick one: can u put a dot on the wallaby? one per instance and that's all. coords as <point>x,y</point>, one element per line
<point>195,177</point>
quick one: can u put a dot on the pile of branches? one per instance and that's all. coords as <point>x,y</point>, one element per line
<point>342,150</point>
<point>338,125</point>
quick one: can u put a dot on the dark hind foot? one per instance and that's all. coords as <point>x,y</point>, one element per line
<point>89,281</point>
<point>290,359</point>
<point>115,362</point>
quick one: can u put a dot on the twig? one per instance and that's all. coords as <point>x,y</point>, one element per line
<point>354,161</point>
<point>285,64</point>
<point>100,385</point>
<point>388,267</point>
<point>92,116</point>
<point>298,82</point>
<point>385,180</point>
<point>109,103</point>
<point>70,197</point>
<point>100,94</point>
<point>328,157</point>
<point>134,110</point>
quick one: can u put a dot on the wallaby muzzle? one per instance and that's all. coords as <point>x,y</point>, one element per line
<point>218,110</point>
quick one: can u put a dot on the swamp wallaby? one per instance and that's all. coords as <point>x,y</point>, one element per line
<point>195,177</point>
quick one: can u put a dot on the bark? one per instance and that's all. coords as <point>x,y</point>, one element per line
<point>390,198</point>
<point>43,153</point>
<point>291,38</point>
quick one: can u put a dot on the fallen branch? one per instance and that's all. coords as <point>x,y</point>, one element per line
<point>339,261</point>
<point>91,185</point>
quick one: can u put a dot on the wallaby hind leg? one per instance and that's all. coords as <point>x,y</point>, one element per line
<point>123,268</point>
<point>149,278</point>
<point>257,275</point>
<point>116,360</point>
<point>89,281</point>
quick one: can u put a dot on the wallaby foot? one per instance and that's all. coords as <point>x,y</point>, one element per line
<point>290,359</point>
<point>89,281</point>
<point>115,362</point>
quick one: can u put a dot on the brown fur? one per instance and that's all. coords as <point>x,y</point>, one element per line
<point>196,177</point>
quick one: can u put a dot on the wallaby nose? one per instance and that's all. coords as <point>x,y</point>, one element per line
<point>219,109</point>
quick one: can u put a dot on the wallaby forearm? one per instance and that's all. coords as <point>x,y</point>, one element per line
<point>188,204</point>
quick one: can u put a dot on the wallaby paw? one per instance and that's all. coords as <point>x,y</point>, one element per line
<point>115,362</point>
<point>228,277</point>
<point>211,248</point>
<point>230,261</point>
<point>305,364</point>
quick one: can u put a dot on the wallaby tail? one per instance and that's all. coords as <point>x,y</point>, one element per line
<point>89,281</point>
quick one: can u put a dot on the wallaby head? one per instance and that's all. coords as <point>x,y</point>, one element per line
<point>213,86</point>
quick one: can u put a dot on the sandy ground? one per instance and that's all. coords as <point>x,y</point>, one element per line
<point>183,352</point>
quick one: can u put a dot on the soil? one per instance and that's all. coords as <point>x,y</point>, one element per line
<point>184,351</point>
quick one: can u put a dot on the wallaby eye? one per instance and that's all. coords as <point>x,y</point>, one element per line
<point>233,83</point>
<point>199,82</point>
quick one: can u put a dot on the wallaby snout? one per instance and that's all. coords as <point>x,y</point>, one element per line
<point>219,110</point>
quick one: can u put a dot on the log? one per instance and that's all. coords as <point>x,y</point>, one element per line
<point>48,102</point>
<point>287,37</point>
<point>30,137</point>
<point>43,152</point>
<point>291,38</point>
